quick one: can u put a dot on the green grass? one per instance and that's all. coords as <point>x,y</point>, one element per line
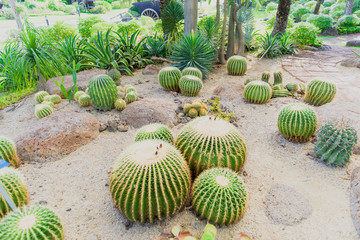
<point>324,37</point>
<point>8,98</point>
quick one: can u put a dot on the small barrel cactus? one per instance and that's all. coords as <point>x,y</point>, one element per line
<point>320,92</point>
<point>335,142</point>
<point>47,98</point>
<point>43,110</point>
<point>85,100</point>
<point>187,107</point>
<point>247,81</point>
<point>121,89</point>
<point>280,93</point>
<point>278,78</point>
<point>8,151</point>
<point>236,65</point>
<point>39,96</point>
<point>51,104</point>
<point>115,75</point>
<point>190,85</point>
<point>154,131</point>
<point>35,223</point>
<point>55,99</point>
<point>120,104</point>
<point>297,122</point>
<point>78,94</point>
<point>292,87</point>
<point>151,180</point>
<point>193,113</point>
<point>219,195</point>
<point>203,112</point>
<point>257,92</point>
<point>265,76</point>
<point>193,72</point>
<point>103,92</point>
<point>130,97</point>
<point>169,78</point>
<point>208,142</point>
<point>13,182</point>
<point>129,88</point>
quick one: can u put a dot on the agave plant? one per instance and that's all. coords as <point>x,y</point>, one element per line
<point>173,20</point>
<point>155,46</point>
<point>269,46</point>
<point>287,44</point>
<point>71,49</point>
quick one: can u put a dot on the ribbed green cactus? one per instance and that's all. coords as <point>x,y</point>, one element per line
<point>257,92</point>
<point>335,142</point>
<point>115,75</point>
<point>46,98</point>
<point>219,195</point>
<point>203,112</point>
<point>151,180</point>
<point>297,122</point>
<point>32,223</point>
<point>39,96</point>
<point>103,92</point>
<point>8,151</point>
<point>51,104</point>
<point>236,65</point>
<point>190,85</point>
<point>278,78</point>
<point>85,100</point>
<point>248,80</point>
<point>120,104</point>
<point>208,142</point>
<point>193,72</point>
<point>292,87</point>
<point>129,88</point>
<point>13,182</point>
<point>55,99</point>
<point>169,78</point>
<point>130,97</point>
<point>301,88</point>
<point>78,94</point>
<point>154,131</point>
<point>278,87</point>
<point>193,113</point>
<point>265,76</point>
<point>43,110</point>
<point>320,92</point>
<point>280,93</point>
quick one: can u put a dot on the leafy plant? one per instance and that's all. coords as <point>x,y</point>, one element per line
<point>70,93</point>
<point>321,21</point>
<point>71,49</point>
<point>348,29</point>
<point>304,34</point>
<point>155,46</point>
<point>173,20</point>
<point>215,107</point>
<point>86,24</point>
<point>207,26</point>
<point>348,21</point>
<point>98,10</point>
<point>287,44</point>
<point>299,12</point>
<point>337,10</point>
<point>269,46</point>
<point>59,30</point>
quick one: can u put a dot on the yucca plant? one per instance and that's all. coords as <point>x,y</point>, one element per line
<point>207,26</point>
<point>173,20</point>
<point>155,46</point>
<point>71,49</point>
<point>269,46</point>
<point>287,44</point>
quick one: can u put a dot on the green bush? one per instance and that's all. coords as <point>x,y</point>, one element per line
<point>305,17</point>
<point>207,26</point>
<point>304,34</point>
<point>53,6</point>
<point>115,5</point>
<point>104,4</point>
<point>155,46</point>
<point>321,21</point>
<point>299,12</point>
<point>348,21</point>
<point>102,27</point>
<point>30,5</point>
<point>326,10</point>
<point>147,25</point>
<point>98,10</point>
<point>271,7</point>
<point>158,27</point>
<point>329,3</point>
<point>85,25</point>
<point>69,9</point>
<point>348,30</point>
<point>59,31</point>
<point>357,13</point>
<point>131,26</point>
<point>337,10</point>
<point>173,20</point>
<point>310,5</point>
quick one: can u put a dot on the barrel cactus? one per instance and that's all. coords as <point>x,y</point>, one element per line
<point>297,122</point>
<point>78,94</point>
<point>265,76</point>
<point>278,78</point>
<point>129,88</point>
<point>120,104</point>
<point>46,98</point>
<point>84,100</point>
<point>8,151</point>
<point>35,223</point>
<point>292,87</point>
<point>43,110</point>
<point>208,142</point>
<point>51,104</point>
<point>257,92</point>
<point>55,99</point>
<point>115,75</point>
<point>236,65</point>
<point>280,93</point>
<point>193,72</point>
<point>39,96</point>
<point>335,142</point>
<point>13,182</point>
<point>130,97</point>
<point>219,195</point>
<point>190,85</point>
<point>154,131</point>
<point>169,78</point>
<point>103,92</point>
<point>320,92</point>
<point>151,180</point>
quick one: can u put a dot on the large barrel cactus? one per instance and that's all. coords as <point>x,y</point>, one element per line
<point>236,65</point>
<point>103,92</point>
<point>335,142</point>
<point>190,85</point>
<point>319,92</point>
<point>149,181</point>
<point>169,78</point>
<point>43,110</point>
<point>8,151</point>
<point>219,195</point>
<point>208,142</point>
<point>297,122</point>
<point>193,72</point>
<point>115,75</point>
<point>154,131</point>
<point>39,96</point>
<point>32,223</point>
<point>257,92</point>
<point>13,182</point>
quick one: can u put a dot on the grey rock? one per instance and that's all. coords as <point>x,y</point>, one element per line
<point>353,43</point>
<point>331,31</point>
<point>356,149</point>
<point>351,62</point>
<point>151,70</point>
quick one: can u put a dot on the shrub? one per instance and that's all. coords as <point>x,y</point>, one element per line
<point>271,7</point>
<point>98,10</point>
<point>59,31</point>
<point>329,3</point>
<point>305,17</point>
<point>102,27</point>
<point>115,5</point>
<point>348,21</point>
<point>304,34</point>
<point>326,10</point>
<point>86,24</point>
<point>52,5</point>
<point>299,12</point>
<point>207,26</point>
<point>131,26</point>
<point>348,30</point>
<point>104,4</point>
<point>29,5</point>
<point>155,46</point>
<point>287,44</point>
<point>310,5</point>
<point>337,10</point>
<point>321,21</point>
<point>8,14</point>
<point>269,46</point>
<point>147,25</point>
<point>69,9</point>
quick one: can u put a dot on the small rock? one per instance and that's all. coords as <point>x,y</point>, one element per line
<point>68,210</point>
<point>330,31</point>
<point>179,110</point>
<point>181,115</point>
<point>197,225</point>
<point>43,202</point>
<point>151,69</point>
<point>140,82</point>
<point>112,126</point>
<point>128,225</point>
<point>356,149</point>
<point>103,127</point>
<point>123,128</point>
<point>245,173</point>
<point>351,62</point>
<point>353,43</point>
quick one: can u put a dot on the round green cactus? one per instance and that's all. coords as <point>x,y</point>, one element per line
<point>46,98</point>
<point>43,110</point>
<point>280,93</point>
<point>39,96</point>
<point>169,78</point>
<point>35,223</point>
<point>55,99</point>
<point>85,100</point>
<point>193,72</point>
<point>193,113</point>
<point>292,87</point>
<point>103,92</point>
<point>151,180</point>
<point>129,88</point>
<point>277,78</point>
<point>257,92</point>
<point>8,151</point>
<point>78,94</point>
<point>115,75</point>
<point>120,104</point>
<point>154,131</point>
<point>13,182</point>
<point>51,104</point>
<point>320,92</point>
<point>190,85</point>
<point>335,142</point>
<point>265,76</point>
<point>236,65</point>
<point>219,195</point>
<point>297,122</point>
<point>130,97</point>
<point>203,112</point>
<point>187,107</point>
<point>208,142</point>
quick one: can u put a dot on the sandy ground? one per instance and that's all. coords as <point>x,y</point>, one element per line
<point>76,187</point>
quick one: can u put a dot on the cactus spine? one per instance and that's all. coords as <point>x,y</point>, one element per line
<point>154,131</point>
<point>84,100</point>
<point>39,96</point>
<point>169,78</point>
<point>277,78</point>
<point>257,92</point>
<point>120,104</point>
<point>78,94</point>
<point>43,110</point>
<point>320,92</point>
<point>190,85</point>
<point>193,72</point>
<point>103,92</point>
<point>236,65</point>
<point>115,75</point>
<point>8,151</point>
<point>265,76</point>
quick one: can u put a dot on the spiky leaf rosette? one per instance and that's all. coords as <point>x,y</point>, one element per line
<point>154,131</point>
<point>39,96</point>
<point>55,99</point>
<point>297,122</point>
<point>192,71</point>
<point>78,94</point>
<point>13,182</point>
<point>208,142</point>
<point>130,97</point>
<point>257,92</point>
<point>103,92</point>
<point>190,85</point>
<point>120,104</point>
<point>335,142</point>
<point>115,75</point>
<point>35,223</point>
<point>320,92</point>
<point>169,78</point>
<point>219,195</point>
<point>151,180</point>
<point>8,151</point>
<point>236,65</point>
<point>43,110</point>
<point>278,78</point>
<point>265,76</point>
<point>84,100</point>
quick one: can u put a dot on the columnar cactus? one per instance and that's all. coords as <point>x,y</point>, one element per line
<point>278,78</point>
<point>78,94</point>
<point>190,85</point>
<point>8,151</point>
<point>84,100</point>
<point>43,110</point>
<point>151,180</point>
<point>120,104</point>
<point>257,92</point>
<point>35,223</point>
<point>297,122</point>
<point>208,142</point>
<point>13,182</point>
<point>335,142</point>
<point>265,76</point>
<point>130,97</point>
<point>115,75</point>
<point>320,92</point>
<point>103,92</point>
<point>193,72</point>
<point>154,131</point>
<point>169,78</point>
<point>55,99</point>
<point>39,96</point>
<point>236,65</point>
<point>219,195</point>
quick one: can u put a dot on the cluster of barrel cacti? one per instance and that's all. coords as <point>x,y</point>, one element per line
<point>196,108</point>
<point>45,104</point>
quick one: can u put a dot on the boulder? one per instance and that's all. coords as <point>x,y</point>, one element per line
<point>229,91</point>
<point>151,70</point>
<point>351,62</point>
<point>355,198</point>
<point>353,43</point>
<point>330,31</point>
<point>55,136</point>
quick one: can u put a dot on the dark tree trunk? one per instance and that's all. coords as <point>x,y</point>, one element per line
<point>282,16</point>
<point>241,48</point>
<point>349,7</point>
<point>190,16</point>
<point>317,6</point>
<point>223,33</point>
<point>163,4</point>
<point>231,34</point>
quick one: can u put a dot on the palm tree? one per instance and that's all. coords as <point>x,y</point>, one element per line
<point>191,16</point>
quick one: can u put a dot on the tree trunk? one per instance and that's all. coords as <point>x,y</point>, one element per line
<point>163,4</point>
<point>349,7</point>
<point>190,15</point>
<point>231,33</point>
<point>223,33</point>
<point>317,6</point>
<point>241,48</point>
<point>282,16</point>
<point>12,4</point>
<point>217,18</point>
